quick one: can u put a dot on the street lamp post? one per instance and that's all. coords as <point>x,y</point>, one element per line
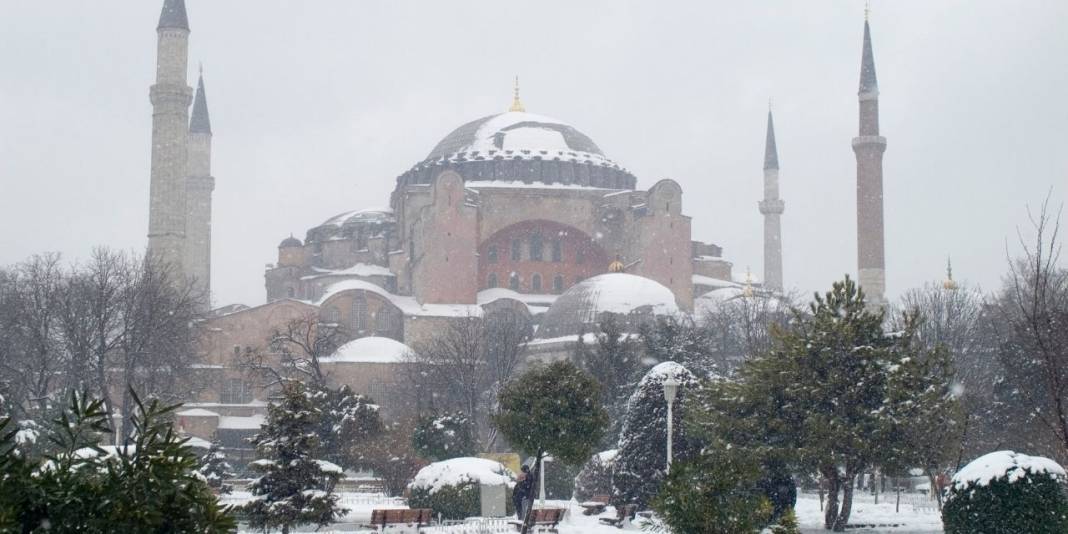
<point>671,388</point>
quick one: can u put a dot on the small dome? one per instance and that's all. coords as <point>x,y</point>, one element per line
<point>581,306</point>
<point>290,242</point>
<point>369,215</point>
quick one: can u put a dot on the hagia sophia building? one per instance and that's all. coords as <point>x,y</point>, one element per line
<point>514,212</point>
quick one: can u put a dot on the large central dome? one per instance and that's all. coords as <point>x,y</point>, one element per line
<point>521,147</point>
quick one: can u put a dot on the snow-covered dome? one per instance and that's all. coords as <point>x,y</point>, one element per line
<point>520,146</point>
<point>370,350</point>
<point>368,215</point>
<point>580,307</point>
<point>290,242</point>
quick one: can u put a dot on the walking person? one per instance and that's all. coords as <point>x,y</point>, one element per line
<point>523,487</point>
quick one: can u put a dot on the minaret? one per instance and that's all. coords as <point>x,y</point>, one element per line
<point>772,207</point>
<point>869,147</point>
<point>199,187</point>
<point>170,98</point>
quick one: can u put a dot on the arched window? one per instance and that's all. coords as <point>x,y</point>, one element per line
<point>359,314</point>
<point>580,256</point>
<point>332,315</point>
<point>516,253</point>
<point>558,284</point>
<point>491,254</point>
<point>535,247</point>
<point>535,283</point>
<point>491,281</point>
<point>513,282</point>
<point>290,292</point>
<point>557,250</point>
<point>384,321</point>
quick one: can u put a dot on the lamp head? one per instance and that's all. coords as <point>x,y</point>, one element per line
<point>671,388</point>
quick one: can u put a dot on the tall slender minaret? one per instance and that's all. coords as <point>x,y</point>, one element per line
<point>170,98</point>
<point>772,207</point>
<point>869,147</point>
<point>199,187</point>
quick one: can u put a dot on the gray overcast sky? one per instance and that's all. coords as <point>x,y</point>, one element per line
<point>318,105</point>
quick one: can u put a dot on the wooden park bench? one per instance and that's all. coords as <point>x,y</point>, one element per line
<point>596,505</point>
<point>545,520</point>
<point>400,517</point>
<point>624,514</point>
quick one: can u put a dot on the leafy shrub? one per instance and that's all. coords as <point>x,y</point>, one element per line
<point>451,487</point>
<point>559,480</point>
<point>714,493</point>
<point>445,436</point>
<point>1004,492</point>
<point>595,478</point>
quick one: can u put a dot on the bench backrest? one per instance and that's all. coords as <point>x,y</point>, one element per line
<point>401,516</point>
<point>548,515</point>
<point>601,498</point>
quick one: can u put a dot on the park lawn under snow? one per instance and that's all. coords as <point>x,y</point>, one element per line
<point>910,520</point>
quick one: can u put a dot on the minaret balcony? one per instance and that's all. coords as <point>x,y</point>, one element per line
<point>869,140</point>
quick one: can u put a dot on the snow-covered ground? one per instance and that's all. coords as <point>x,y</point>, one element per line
<point>914,517</point>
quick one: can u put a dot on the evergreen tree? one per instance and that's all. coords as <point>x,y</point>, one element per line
<point>615,361</point>
<point>682,340</point>
<point>347,423</point>
<point>215,469</point>
<point>837,395</point>
<point>442,437</point>
<point>640,466</point>
<point>295,488</point>
<point>150,485</point>
<point>555,410</point>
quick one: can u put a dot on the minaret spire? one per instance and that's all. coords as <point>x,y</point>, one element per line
<point>869,147</point>
<point>772,208</point>
<point>517,104</point>
<point>170,97</point>
<point>199,187</point>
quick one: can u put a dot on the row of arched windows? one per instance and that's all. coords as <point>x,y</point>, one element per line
<point>536,285</point>
<point>536,248</point>
<point>385,320</point>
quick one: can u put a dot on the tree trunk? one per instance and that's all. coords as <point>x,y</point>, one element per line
<point>830,513</point>
<point>847,501</point>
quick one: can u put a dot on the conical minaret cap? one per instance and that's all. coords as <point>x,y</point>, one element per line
<point>173,16</point>
<point>199,122</point>
<point>771,152</point>
<point>868,82</point>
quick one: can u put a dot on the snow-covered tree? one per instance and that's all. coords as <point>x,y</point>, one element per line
<point>615,360</point>
<point>642,460</point>
<point>295,488</point>
<point>595,478</point>
<point>215,469</point>
<point>837,395</point>
<point>681,340</point>
<point>441,437</point>
<point>555,410</point>
<point>348,422</point>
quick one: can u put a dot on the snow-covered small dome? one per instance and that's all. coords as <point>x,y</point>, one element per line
<point>370,350</point>
<point>290,242</point>
<point>581,306</point>
<point>368,215</point>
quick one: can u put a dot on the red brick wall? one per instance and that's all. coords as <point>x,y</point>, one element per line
<point>580,256</point>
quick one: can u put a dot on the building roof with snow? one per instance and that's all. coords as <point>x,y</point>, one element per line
<point>370,349</point>
<point>580,308</point>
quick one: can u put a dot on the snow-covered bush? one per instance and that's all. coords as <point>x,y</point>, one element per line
<point>595,478</point>
<point>444,437</point>
<point>451,487</point>
<point>1006,492</point>
<point>639,469</point>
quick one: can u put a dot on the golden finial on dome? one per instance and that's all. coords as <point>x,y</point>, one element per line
<point>616,266</point>
<point>949,283</point>
<point>517,105</point>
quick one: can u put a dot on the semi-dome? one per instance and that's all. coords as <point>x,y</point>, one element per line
<point>582,306</point>
<point>520,146</point>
